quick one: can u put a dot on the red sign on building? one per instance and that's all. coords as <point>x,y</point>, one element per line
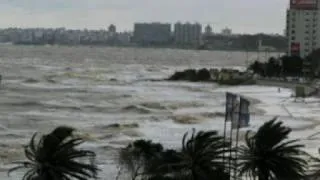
<point>304,4</point>
<point>295,48</point>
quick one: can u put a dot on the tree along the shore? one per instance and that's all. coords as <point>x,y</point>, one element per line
<point>283,67</point>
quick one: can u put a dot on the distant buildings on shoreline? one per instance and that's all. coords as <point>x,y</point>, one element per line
<point>161,34</point>
<point>63,36</point>
<point>180,35</point>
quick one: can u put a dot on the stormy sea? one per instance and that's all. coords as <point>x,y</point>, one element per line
<point>117,95</point>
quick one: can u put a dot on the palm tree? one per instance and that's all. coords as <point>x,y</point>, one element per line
<point>138,156</point>
<point>314,167</point>
<point>201,158</point>
<point>55,157</point>
<point>269,155</point>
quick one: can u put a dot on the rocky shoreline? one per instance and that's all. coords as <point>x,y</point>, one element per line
<point>232,77</point>
<point>220,76</point>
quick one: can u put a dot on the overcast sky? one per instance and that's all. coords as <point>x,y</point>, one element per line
<point>242,16</point>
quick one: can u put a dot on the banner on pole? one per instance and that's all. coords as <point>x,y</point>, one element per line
<point>231,100</point>
<point>244,113</point>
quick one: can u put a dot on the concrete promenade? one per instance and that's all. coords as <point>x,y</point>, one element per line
<point>309,88</point>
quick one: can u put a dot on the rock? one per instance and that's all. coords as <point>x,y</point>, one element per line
<point>223,76</point>
<point>187,75</point>
<point>177,76</point>
<point>190,75</point>
<point>203,75</point>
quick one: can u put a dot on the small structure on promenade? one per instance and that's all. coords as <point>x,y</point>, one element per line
<point>300,93</point>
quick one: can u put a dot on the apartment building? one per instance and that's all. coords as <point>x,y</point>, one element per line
<point>187,34</point>
<point>302,27</point>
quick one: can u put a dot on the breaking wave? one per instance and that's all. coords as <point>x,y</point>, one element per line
<point>187,119</point>
<point>154,107</point>
<point>23,103</point>
<point>58,106</point>
<point>148,107</point>
<point>137,109</point>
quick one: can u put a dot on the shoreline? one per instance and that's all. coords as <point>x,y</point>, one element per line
<point>283,84</point>
<point>261,112</point>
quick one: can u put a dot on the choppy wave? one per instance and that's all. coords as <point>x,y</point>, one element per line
<point>56,105</point>
<point>11,136</point>
<point>187,119</point>
<point>31,80</point>
<point>35,81</point>
<point>160,107</point>
<point>3,128</point>
<point>184,104</point>
<point>94,76</point>
<point>23,103</point>
<point>118,126</point>
<point>137,109</point>
<point>150,107</point>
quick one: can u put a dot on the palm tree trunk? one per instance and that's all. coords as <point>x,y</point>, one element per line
<point>194,176</point>
<point>262,176</point>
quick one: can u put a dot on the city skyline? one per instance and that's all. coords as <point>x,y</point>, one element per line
<point>246,16</point>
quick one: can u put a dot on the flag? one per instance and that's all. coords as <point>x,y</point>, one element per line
<point>244,114</point>
<point>231,100</point>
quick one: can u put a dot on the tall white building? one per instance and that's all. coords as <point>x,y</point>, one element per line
<point>303,27</point>
<point>187,34</point>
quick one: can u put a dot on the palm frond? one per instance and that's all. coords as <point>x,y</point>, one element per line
<point>56,156</point>
<point>200,158</point>
<point>201,155</point>
<point>269,153</point>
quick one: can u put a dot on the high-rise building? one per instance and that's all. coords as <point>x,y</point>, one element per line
<point>226,31</point>
<point>112,29</point>
<point>303,27</point>
<point>208,30</point>
<point>152,33</point>
<point>187,34</point>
